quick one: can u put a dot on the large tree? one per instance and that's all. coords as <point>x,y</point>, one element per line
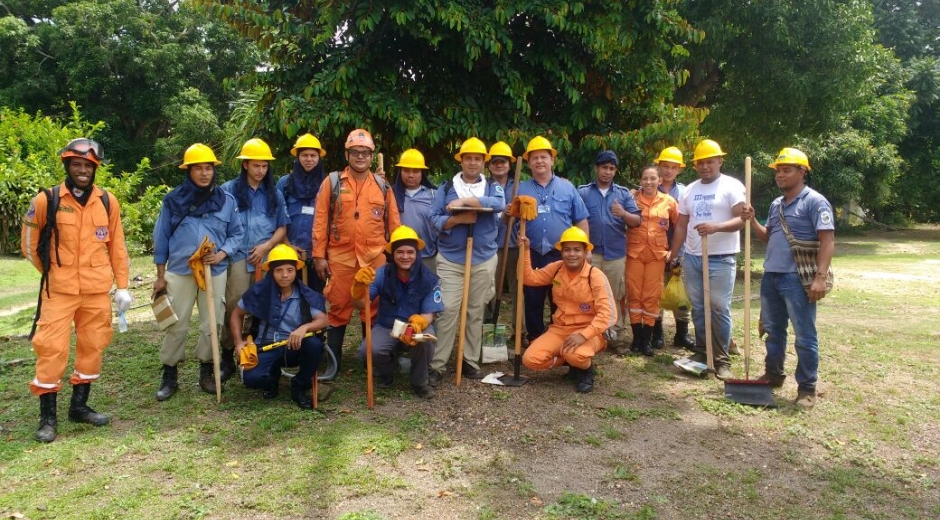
<point>432,73</point>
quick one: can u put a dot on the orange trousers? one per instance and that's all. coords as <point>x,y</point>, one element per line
<point>545,352</point>
<point>644,287</point>
<point>337,291</point>
<point>91,314</point>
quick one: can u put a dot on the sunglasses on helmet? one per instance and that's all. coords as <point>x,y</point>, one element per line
<point>82,147</point>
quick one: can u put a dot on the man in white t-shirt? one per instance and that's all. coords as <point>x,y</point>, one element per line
<point>710,206</point>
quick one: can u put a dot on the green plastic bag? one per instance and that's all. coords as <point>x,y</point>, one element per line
<point>674,296</point>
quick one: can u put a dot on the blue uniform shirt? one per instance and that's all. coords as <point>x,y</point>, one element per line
<point>257,224</point>
<point>431,303</point>
<point>452,243</point>
<point>300,217</point>
<point>608,233</point>
<point>806,214</point>
<point>559,207</point>
<point>288,317</point>
<point>223,227</point>
<point>417,216</point>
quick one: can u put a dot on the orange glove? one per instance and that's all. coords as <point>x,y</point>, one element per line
<point>197,266</point>
<point>361,282</point>
<point>418,323</point>
<point>524,207</point>
<point>408,337</point>
<point>248,355</point>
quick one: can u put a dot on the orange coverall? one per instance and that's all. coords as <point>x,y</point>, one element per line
<point>647,247</point>
<point>357,238</point>
<point>78,289</point>
<point>585,304</point>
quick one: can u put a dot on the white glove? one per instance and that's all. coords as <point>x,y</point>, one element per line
<point>122,300</point>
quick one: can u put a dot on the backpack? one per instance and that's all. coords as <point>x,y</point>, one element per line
<point>335,202</point>
<point>44,246</point>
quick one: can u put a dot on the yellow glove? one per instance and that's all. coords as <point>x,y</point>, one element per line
<point>524,207</point>
<point>361,282</point>
<point>248,355</point>
<point>197,266</point>
<point>418,323</point>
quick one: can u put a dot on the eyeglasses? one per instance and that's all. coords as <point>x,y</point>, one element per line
<point>83,147</point>
<point>360,154</point>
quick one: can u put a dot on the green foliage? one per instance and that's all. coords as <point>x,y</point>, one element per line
<point>583,507</point>
<point>590,75</point>
<point>29,162</point>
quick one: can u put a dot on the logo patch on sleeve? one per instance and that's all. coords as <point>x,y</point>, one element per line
<point>438,297</point>
<point>825,218</point>
<point>31,212</point>
<point>101,233</point>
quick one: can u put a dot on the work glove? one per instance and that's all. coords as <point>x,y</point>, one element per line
<point>408,337</point>
<point>122,300</point>
<point>524,207</point>
<point>361,282</point>
<point>248,355</point>
<point>197,266</point>
<point>418,323</point>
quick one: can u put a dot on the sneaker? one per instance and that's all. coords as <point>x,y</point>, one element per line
<point>471,373</point>
<point>773,380</point>
<point>434,378</point>
<point>805,400</point>
<point>424,392</point>
<point>723,372</point>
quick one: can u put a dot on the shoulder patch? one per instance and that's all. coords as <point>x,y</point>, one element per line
<point>31,212</point>
<point>438,297</point>
<point>825,217</point>
<point>497,188</point>
<point>584,307</point>
<point>101,233</point>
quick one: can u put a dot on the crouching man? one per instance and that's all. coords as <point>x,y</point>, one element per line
<point>410,292</point>
<point>285,311</point>
<point>586,309</point>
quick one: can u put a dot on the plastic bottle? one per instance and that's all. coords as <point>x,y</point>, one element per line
<point>122,322</point>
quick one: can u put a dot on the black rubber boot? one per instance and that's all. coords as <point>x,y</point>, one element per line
<point>300,397</point>
<point>657,340</point>
<point>573,374</point>
<point>227,366</point>
<point>169,384</point>
<point>334,342</point>
<point>47,418</point>
<point>206,377</point>
<point>682,339</point>
<point>586,383</point>
<point>646,336</point>
<point>637,332</point>
<point>79,411</point>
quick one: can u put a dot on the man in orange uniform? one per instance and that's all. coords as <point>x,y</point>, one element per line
<point>585,310</point>
<point>86,255</point>
<point>647,252</point>
<point>351,231</point>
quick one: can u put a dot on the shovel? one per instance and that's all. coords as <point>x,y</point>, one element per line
<point>501,277</point>
<point>516,379</point>
<point>213,335</point>
<point>462,329</point>
<point>747,390</point>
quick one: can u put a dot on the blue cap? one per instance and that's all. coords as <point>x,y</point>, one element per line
<point>607,156</point>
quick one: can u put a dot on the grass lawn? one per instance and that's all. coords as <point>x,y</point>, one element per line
<point>648,443</point>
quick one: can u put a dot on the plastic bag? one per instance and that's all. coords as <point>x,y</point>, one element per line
<point>674,296</point>
<point>494,344</point>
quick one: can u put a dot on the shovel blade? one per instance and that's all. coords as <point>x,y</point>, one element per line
<point>509,380</point>
<point>750,392</point>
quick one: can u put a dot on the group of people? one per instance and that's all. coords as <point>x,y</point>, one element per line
<point>300,256</point>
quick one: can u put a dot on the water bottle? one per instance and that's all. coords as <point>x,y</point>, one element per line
<point>122,322</point>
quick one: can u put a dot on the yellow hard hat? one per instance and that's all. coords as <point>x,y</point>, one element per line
<point>539,143</point>
<point>706,149</point>
<point>791,156</point>
<point>282,252</point>
<point>307,141</point>
<point>403,233</point>
<point>501,149</point>
<point>197,154</point>
<point>255,150</point>
<point>472,145</point>
<point>574,234</point>
<point>360,137</point>
<point>671,154</point>
<point>412,158</point>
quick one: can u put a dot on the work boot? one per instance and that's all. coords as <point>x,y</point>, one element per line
<point>434,377</point>
<point>300,397</point>
<point>657,340</point>
<point>334,342</point>
<point>699,357</point>
<point>272,391</point>
<point>573,374</point>
<point>723,372</point>
<point>47,419</point>
<point>805,399</point>
<point>169,384</point>
<point>227,364</point>
<point>637,329</point>
<point>773,380</point>
<point>424,392</point>
<point>586,383</point>
<point>79,411</point>
<point>386,381</point>
<point>646,335</point>
<point>206,377</point>
<point>682,339</point>
<point>471,373</point>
